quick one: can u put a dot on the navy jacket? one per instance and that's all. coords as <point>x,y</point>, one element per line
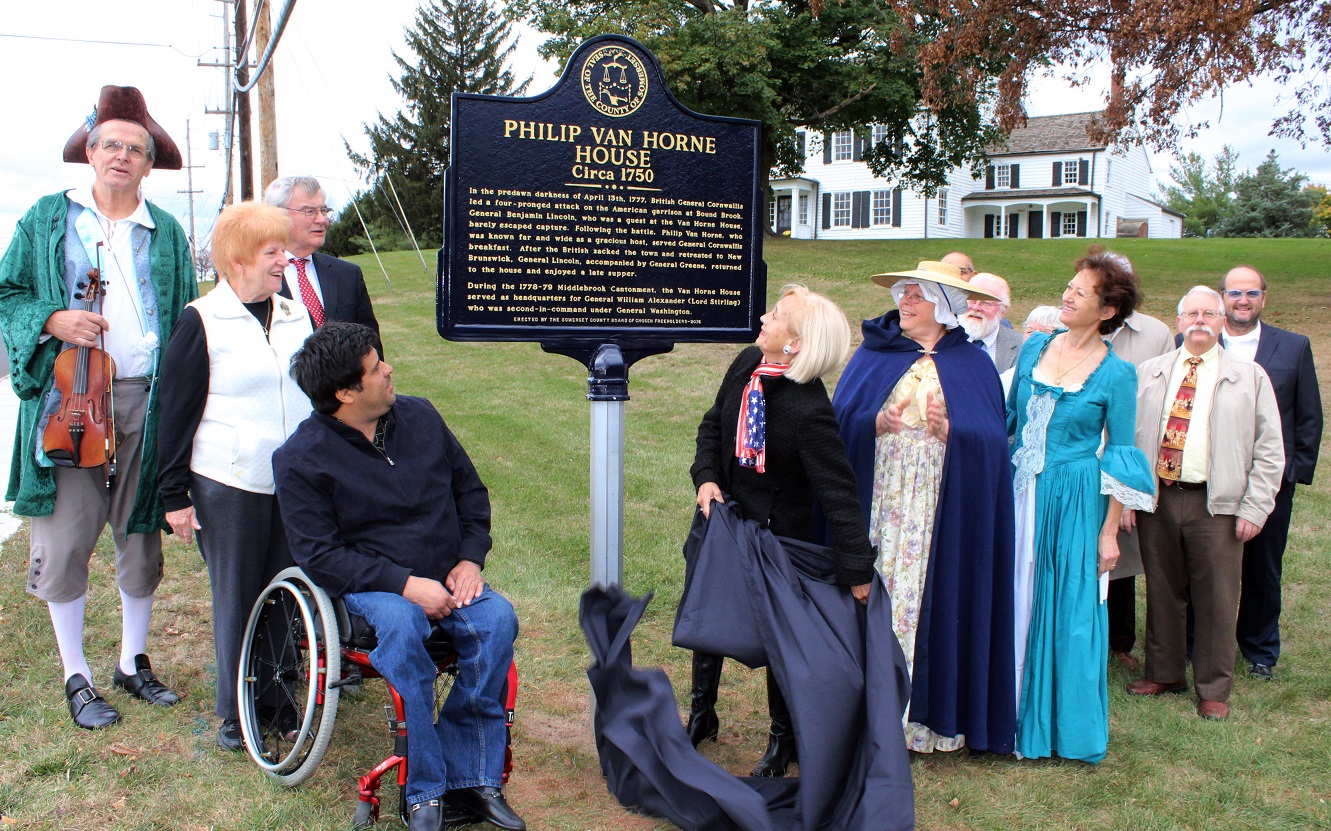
<point>345,297</point>
<point>1288,360</point>
<point>358,523</point>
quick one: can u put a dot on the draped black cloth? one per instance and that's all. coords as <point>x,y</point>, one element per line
<point>838,663</point>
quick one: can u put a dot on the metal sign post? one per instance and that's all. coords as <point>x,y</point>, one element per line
<point>607,389</point>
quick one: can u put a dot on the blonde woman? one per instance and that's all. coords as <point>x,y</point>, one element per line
<point>770,443</point>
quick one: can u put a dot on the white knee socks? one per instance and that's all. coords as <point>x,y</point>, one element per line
<point>67,620</point>
<point>135,613</point>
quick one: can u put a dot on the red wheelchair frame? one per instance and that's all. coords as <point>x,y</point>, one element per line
<point>292,664</point>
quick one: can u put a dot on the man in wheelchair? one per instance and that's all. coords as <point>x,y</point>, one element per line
<point>383,507</point>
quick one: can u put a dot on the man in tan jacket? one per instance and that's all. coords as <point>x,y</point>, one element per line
<point>1211,426</point>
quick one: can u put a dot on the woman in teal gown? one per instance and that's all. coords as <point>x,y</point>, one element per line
<point>1072,412</point>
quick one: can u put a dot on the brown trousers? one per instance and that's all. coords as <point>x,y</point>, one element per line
<point>1184,547</point>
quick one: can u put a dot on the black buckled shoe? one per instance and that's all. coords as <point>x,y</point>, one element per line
<point>143,684</point>
<point>228,736</point>
<point>487,804</point>
<point>426,816</point>
<point>90,710</point>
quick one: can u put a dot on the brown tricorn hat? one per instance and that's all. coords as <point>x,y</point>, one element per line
<point>123,104</point>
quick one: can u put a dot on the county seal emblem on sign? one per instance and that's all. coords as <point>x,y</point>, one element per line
<point>614,80</point>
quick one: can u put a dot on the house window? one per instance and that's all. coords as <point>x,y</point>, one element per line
<point>804,209</point>
<point>771,211</point>
<point>882,207</point>
<point>842,144</point>
<point>1070,172</point>
<point>1003,176</point>
<point>841,210</point>
<point>1069,224</point>
<point>942,206</point>
<point>879,134</point>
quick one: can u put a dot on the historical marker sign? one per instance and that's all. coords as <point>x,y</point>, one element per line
<point>600,212</point>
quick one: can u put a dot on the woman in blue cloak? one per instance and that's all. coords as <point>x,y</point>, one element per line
<point>921,413</point>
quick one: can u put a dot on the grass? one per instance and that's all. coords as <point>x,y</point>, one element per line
<point>523,416</point>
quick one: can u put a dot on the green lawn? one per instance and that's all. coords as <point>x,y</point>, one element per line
<point>523,416</point>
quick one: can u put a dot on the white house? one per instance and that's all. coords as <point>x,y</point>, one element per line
<point>1050,180</point>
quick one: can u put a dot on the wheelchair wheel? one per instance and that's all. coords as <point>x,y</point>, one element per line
<point>291,650</point>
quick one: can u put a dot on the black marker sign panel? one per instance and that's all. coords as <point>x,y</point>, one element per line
<point>601,211</point>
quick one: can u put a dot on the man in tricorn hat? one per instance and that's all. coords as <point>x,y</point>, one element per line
<point>147,277</point>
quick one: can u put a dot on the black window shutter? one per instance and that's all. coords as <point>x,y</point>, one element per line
<point>801,141</point>
<point>827,149</point>
<point>1012,226</point>
<point>899,147</point>
<point>1035,225</point>
<point>827,210</point>
<point>1015,181</point>
<point>859,215</point>
<point>1081,223</point>
<point>1083,172</point>
<point>1058,174</point>
<point>857,148</point>
<point>989,178</point>
<point>896,207</point>
<point>988,226</point>
<point>1055,224</point>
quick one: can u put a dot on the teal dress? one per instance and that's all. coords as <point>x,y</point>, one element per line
<point>1063,477</point>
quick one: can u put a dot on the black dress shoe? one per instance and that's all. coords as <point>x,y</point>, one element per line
<point>487,804</point>
<point>90,710</point>
<point>143,684</point>
<point>426,816</point>
<point>1261,672</point>
<point>228,736</point>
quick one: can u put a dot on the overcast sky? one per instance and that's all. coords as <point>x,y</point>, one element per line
<point>332,75</point>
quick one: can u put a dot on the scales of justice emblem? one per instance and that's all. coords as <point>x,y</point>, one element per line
<point>614,80</point>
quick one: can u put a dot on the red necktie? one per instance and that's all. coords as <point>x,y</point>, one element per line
<point>307,293</point>
<point>1170,464</point>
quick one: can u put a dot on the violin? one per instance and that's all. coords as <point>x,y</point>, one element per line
<point>82,432</point>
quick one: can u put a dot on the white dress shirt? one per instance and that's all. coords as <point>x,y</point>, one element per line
<point>293,280</point>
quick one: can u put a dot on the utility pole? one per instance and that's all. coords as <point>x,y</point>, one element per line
<point>267,99</point>
<point>228,111</point>
<point>189,174</point>
<point>243,106</point>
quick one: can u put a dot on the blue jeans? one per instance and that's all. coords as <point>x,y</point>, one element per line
<point>465,749</point>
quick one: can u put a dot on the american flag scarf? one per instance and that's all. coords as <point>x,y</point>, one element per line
<point>751,437</point>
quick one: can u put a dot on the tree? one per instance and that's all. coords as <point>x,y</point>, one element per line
<point>1321,209</point>
<point>1165,55</point>
<point>1203,194</point>
<point>849,67</point>
<point>1271,202</point>
<point>458,46</point>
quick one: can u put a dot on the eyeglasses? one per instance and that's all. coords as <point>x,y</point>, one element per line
<point>134,151</point>
<point>1251,294</point>
<point>907,297</point>
<point>965,269</point>
<point>1209,314</point>
<point>310,212</point>
<point>988,304</point>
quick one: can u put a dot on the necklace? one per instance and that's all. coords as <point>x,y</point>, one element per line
<point>1058,379</point>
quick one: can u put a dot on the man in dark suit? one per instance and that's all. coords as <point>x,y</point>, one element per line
<point>1288,360</point>
<point>983,322</point>
<point>331,289</point>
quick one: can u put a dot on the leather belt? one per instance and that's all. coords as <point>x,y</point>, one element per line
<point>1186,486</point>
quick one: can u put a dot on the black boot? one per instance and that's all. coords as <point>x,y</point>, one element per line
<point>781,740</point>
<point>703,723</point>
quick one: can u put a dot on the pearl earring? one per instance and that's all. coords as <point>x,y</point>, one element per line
<point>785,350</point>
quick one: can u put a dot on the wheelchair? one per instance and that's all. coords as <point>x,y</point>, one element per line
<point>301,650</point>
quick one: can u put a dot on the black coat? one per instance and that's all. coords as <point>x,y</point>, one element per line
<point>345,297</point>
<point>806,463</point>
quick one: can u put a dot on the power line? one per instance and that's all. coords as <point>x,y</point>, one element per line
<point>103,42</point>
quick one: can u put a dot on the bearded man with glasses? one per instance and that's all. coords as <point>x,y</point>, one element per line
<point>1288,360</point>
<point>331,289</point>
<point>147,274</point>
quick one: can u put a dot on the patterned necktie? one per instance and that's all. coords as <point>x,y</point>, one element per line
<point>1170,464</point>
<point>307,293</point>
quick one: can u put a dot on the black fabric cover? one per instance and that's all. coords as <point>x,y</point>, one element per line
<point>838,663</point>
